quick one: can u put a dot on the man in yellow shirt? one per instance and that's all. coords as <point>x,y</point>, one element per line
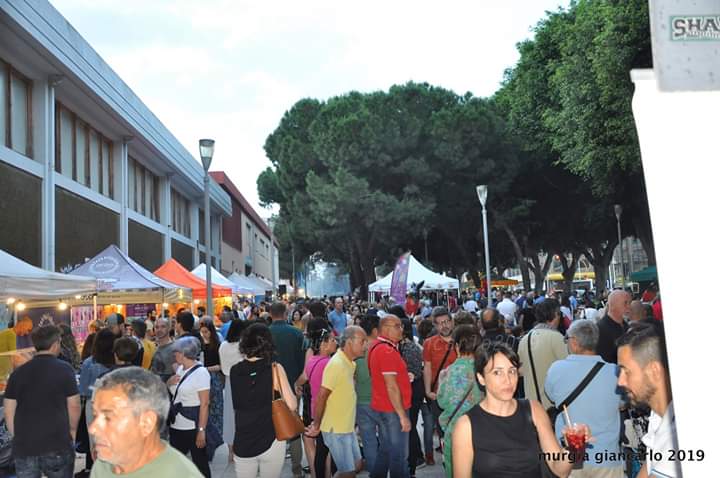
<point>139,330</point>
<point>336,403</point>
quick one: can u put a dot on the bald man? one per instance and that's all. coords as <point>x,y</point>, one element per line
<point>613,325</point>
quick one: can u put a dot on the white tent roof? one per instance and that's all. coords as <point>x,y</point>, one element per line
<point>216,277</point>
<point>245,284</point>
<point>24,281</point>
<point>416,274</point>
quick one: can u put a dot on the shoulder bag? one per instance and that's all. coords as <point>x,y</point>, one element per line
<point>175,408</point>
<point>553,412</point>
<point>434,407</point>
<point>286,422</point>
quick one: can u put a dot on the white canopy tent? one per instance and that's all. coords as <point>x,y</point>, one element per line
<point>18,279</point>
<point>216,277</point>
<point>245,284</point>
<point>417,273</point>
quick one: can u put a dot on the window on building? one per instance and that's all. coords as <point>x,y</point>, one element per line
<point>83,153</point>
<point>143,190</point>
<point>180,214</point>
<point>15,104</point>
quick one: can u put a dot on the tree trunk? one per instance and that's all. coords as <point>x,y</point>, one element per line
<point>644,233</point>
<point>600,256</point>
<point>522,263</point>
<point>569,269</point>
<point>539,270</point>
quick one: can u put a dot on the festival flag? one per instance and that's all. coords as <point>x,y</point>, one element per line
<point>398,285</point>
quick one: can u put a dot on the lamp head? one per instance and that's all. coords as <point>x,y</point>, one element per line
<point>482,191</point>
<point>207,148</point>
<point>618,211</point>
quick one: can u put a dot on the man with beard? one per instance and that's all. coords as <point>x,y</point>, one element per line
<point>438,354</point>
<point>642,360</point>
<point>163,359</point>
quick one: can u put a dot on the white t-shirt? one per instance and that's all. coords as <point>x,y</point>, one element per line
<point>508,308</point>
<point>661,438</point>
<point>470,306</point>
<point>198,381</point>
<point>229,355</point>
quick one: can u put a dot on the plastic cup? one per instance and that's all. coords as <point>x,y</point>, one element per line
<point>575,437</point>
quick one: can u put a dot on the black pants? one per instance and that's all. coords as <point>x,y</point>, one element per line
<point>415,451</point>
<point>184,442</point>
<point>321,454</point>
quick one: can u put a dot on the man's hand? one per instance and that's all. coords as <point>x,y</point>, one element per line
<point>200,439</point>
<point>405,425</point>
<point>431,395</point>
<point>173,380</point>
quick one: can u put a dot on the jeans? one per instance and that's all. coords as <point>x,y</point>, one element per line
<point>53,465</point>
<point>368,433</point>
<point>268,464</point>
<point>184,442</point>
<point>428,428</point>
<point>393,447</point>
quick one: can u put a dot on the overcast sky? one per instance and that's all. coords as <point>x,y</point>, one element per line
<point>229,69</point>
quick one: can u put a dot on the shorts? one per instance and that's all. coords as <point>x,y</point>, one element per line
<point>344,450</point>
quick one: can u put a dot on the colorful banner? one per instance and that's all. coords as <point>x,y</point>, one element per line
<point>80,318</point>
<point>29,319</point>
<point>398,284</point>
<point>138,311</point>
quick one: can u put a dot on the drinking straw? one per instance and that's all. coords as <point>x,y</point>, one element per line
<point>567,416</point>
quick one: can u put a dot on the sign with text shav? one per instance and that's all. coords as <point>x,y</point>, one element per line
<point>686,44</point>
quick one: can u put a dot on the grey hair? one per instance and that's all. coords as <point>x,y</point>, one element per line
<point>586,332</point>
<point>188,346</point>
<point>145,391</point>
<point>163,319</point>
<point>349,333</point>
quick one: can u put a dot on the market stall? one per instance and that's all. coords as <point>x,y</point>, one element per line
<point>246,286</point>
<point>417,273</point>
<point>174,272</point>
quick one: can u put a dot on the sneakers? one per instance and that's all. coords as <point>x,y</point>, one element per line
<point>429,459</point>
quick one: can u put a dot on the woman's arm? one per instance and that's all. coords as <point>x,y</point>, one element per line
<point>302,380</point>
<point>462,448</point>
<point>204,396</point>
<point>548,441</point>
<point>287,391</point>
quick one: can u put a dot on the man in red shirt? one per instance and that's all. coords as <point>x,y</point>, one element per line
<point>390,400</point>
<point>438,354</point>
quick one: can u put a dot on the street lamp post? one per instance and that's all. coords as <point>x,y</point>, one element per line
<point>207,148</point>
<point>425,234</point>
<point>618,213</point>
<point>482,191</point>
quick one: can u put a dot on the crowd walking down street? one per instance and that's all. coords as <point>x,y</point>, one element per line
<point>373,388</point>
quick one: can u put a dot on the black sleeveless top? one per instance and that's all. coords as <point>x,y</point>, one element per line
<point>251,386</point>
<point>505,447</point>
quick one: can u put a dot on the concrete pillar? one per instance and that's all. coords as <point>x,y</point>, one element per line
<point>166,215</point>
<point>122,197</point>
<point>44,109</point>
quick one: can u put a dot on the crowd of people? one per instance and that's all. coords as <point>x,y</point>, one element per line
<point>497,386</point>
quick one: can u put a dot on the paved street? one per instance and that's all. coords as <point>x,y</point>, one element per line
<point>221,469</point>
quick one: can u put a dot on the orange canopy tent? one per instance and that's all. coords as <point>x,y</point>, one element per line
<point>174,272</point>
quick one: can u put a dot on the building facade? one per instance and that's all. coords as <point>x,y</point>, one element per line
<point>83,162</point>
<point>248,245</point>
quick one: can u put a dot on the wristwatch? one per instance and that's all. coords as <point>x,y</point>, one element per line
<point>201,429</point>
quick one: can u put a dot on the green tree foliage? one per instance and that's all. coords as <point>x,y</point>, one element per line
<point>363,177</point>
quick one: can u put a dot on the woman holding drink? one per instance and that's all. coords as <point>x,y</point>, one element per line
<point>503,437</point>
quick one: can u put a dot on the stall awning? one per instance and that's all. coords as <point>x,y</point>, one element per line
<point>21,280</point>
<point>215,276</point>
<point>647,274</point>
<point>121,280</point>
<point>417,273</point>
<point>174,272</point>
